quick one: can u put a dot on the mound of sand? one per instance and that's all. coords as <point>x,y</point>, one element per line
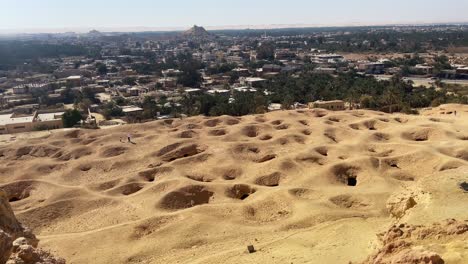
<point>300,186</point>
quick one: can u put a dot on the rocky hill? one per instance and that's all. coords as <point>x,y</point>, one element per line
<point>197,32</point>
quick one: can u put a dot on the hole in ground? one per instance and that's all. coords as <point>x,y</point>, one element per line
<point>14,199</point>
<point>240,191</point>
<point>351,181</point>
<point>271,180</point>
<point>186,197</point>
<point>464,186</point>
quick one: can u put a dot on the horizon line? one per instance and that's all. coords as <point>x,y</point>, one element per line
<point>137,29</point>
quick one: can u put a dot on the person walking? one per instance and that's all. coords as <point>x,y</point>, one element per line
<point>129,138</point>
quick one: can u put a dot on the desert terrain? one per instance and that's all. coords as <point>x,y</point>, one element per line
<point>301,186</point>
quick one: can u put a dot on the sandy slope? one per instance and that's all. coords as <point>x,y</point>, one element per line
<point>200,190</point>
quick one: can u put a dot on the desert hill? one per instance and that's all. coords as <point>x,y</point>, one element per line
<point>301,186</point>
<point>197,32</point>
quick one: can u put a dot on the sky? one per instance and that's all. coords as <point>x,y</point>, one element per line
<point>18,16</point>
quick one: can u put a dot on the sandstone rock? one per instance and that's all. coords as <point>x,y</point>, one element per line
<point>398,205</point>
<point>405,244</point>
<point>8,222</point>
<point>28,254</point>
<point>19,242</point>
<point>415,257</point>
<point>5,246</point>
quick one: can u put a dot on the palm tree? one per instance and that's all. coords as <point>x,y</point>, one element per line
<point>391,97</point>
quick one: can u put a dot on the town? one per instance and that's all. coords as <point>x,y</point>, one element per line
<point>97,79</point>
<point>207,132</point>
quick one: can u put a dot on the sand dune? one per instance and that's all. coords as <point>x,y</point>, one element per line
<point>305,186</point>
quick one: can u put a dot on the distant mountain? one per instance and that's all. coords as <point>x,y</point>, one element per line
<point>197,32</point>
<point>94,33</point>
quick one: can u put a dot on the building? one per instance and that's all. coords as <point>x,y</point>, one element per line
<point>371,67</point>
<point>284,54</point>
<point>168,82</point>
<point>271,68</point>
<point>423,69</point>
<point>274,107</point>
<point>132,113</point>
<point>462,72</point>
<point>11,123</point>
<point>133,91</point>
<point>245,89</point>
<point>335,105</point>
<point>73,81</point>
<point>327,58</point>
<point>252,82</point>
<point>27,88</point>
<point>325,70</point>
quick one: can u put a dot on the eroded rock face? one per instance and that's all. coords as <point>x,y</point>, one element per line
<point>403,244</point>
<point>8,222</point>
<point>5,246</point>
<point>398,205</point>
<point>417,256</point>
<point>17,243</point>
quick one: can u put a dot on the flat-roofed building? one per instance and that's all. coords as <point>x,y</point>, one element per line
<point>254,82</point>
<point>371,67</point>
<point>10,124</point>
<point>74,80</point>
<point>327,58</point>
<point>423,69</point>
<point>335,105</point>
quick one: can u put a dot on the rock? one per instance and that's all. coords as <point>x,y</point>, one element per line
<point>15,260</point>
<point>19,242</point>
<point>28,254</point>
<point>415,257</point>
<point>8,222</point>
<point>250,249</point>
<point>30,237</point>
<point>406,244</point>
<point>398,205</point>
<point>5,246</point>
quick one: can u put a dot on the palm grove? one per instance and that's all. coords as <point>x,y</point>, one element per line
<point>395,95</point>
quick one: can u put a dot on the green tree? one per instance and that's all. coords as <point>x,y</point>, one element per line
<point>150,108</point>
<point>110,110</point>
<point>129,80</point>
<point>266,51</point>
<point>71,117</point>
<point>102,69</point>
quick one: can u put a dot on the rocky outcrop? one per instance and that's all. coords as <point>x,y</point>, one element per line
<point>405,243</point>
<point>18,245</point>
<point>8,222</point>
<point>5,246</point>
<point>398,205</point>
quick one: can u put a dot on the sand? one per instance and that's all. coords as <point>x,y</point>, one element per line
<point>302,186</point>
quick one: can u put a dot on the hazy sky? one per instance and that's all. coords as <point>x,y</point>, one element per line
<point>26,15</point>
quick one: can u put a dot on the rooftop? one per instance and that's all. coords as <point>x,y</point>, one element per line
<point>9,120</point>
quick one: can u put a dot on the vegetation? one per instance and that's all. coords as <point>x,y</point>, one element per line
<point>14,53</point>
<point>367,92</point>
<point>71,117</point>
<point>110,110</point>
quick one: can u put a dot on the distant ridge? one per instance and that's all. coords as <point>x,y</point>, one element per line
<point>81,30</point>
